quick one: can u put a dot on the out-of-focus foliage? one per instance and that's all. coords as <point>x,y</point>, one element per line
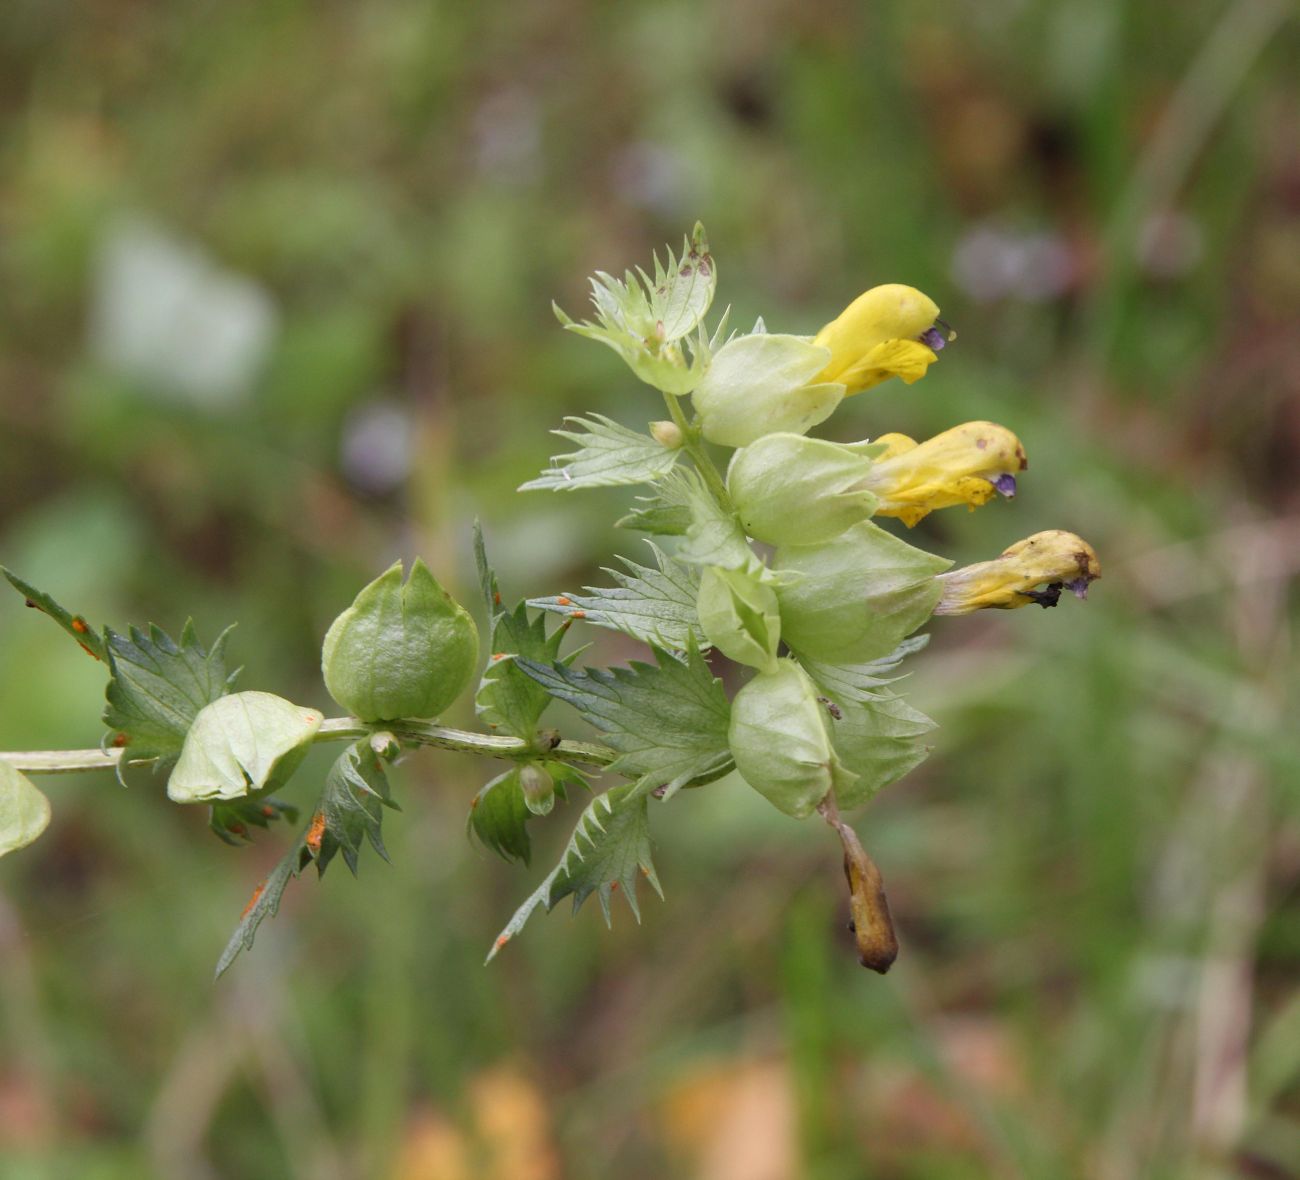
<point>277,284</point>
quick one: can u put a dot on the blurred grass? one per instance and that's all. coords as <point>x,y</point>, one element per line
<point>1095,876</point>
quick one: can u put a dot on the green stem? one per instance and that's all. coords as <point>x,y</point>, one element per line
<point>694,446</point>
<point>338,729</point>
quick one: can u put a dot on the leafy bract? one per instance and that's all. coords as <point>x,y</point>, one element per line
<point>661,515</point>
<point>499,817</point>
<point>352,807</point>
<point>24,810</point>
<point>714,535</point>
<point>655,605</point>
<point>607,455</point>
<point>74,625</point>
<point>644,319</point>
<point>507,699</point>
<point>862,682</point>
<point>879,741</point>
<point>609,849</point>
<point>500,813</point>
<point>265,903</point>
<point>242,744</point>
<point>667,720</point>
<point>158,687</point>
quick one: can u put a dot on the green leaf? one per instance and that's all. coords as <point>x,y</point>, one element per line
<point>242,744</point>
<point>24,810</point>
<point>668,720</point>
<point>661,516</point>
<point>714,536</point>
<point>656,606</point>
<point>608,455</point>
<point>499,817</point>
<point>265,903</point>
<point>352,807</point>
<point>609,847</point>
<point>879,741</point>
<point>681,292</point>
<point>402,649</point>
<point>862,682</point>
<point>507,698</point>
<point>645,319</point>
<point>158,687</point>
<point>230,820</point>
<point>74,625</point>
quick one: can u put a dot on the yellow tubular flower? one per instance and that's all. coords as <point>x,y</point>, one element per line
<point>1055,560</point>
<point>964,465</point>
<point>885,332</point>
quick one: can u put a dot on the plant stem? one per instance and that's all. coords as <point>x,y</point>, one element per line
<point>337,729</point>
<point>694,446</point>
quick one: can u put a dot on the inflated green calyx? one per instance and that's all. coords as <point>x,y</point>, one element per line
<point>401,649</point>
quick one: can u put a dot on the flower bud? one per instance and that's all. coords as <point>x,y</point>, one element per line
<point>739,616</point>
<point>667,434</point>
<point>790,489</point>
<point>885,332</point>
<point>857,596</point>
<point>781,742</point>
<point>964,465</point>
<point>760,384</point>
<point>538,789</point>
<point>1055,559</point>
<point>400,650</point>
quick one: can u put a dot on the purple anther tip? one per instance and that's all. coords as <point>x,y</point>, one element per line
<point>1006,485</point>
<point>1079,588</point>
<point>933,339</point>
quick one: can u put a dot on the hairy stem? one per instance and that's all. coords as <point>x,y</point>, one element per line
<point>340,729</point>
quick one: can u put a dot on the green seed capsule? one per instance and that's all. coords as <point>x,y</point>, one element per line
<point>400,650</point>
<point>740,616</point>
<point>780,739</point>
<point>538,788</point>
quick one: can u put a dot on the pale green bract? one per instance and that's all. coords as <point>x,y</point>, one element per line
<point>607,455</point>
<point>24,811</point>
<point>242,744</point>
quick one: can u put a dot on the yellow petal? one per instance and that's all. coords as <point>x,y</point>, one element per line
<point>958,466</point>
<point>1054,558</point>
<point>875,338</point>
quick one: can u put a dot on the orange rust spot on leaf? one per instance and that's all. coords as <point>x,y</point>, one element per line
<point>316,832</point>
<point>502,939</point>
<point>496,598</point>
<point>500,655</point>
<point>268,812</point>
<point>613,886</point>
<point>30,603</point>
<point>238,829</point>
<point>79,625</point>
<point>252,901</point>
<point>120,740</point>
<point>91,654</point>
<point>563,601</point>
<point>579,614</point>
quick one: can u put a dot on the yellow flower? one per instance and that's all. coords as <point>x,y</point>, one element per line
<point>1055,560</point>
<point>964,465</point>
<point>885,332</point>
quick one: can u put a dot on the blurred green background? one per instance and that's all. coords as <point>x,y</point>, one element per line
<point>275,286</point>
